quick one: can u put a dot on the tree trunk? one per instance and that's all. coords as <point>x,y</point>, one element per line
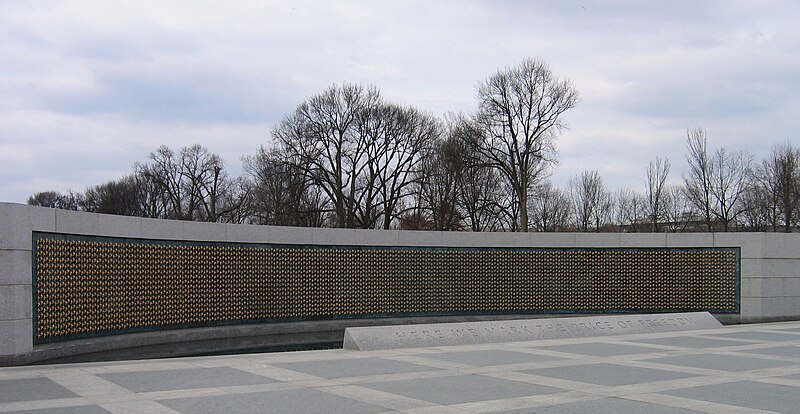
<point>523,210</point>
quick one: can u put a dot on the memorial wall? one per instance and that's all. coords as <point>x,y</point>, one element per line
<point>88,286</point>
<point>72,279</point>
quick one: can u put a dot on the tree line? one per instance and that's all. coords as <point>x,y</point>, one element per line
<point>349,158</point>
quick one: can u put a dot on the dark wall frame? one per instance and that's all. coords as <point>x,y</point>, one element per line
<point>39,236</point>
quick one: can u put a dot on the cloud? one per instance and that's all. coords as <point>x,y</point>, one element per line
<point>191,95</point>
<point>88,88</point>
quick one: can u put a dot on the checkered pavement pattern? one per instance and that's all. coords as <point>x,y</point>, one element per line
<point>735,369</point>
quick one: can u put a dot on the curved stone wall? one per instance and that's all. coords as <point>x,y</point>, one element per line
<point>76,281</point>
<point>89,286</point>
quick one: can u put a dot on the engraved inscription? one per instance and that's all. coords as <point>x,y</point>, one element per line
<point>506,331</point>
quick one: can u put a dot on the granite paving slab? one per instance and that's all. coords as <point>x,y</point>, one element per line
<point>692,342</point>
<point>761,336</point>
<point>174,379</point>
<point>601,349</point>
<point>487,358</point>
<point>784,351</point>
<point>298,401</point>
<point>460,388</point>
<point>81,409</point>
<point>795,377</point>
<point>608,374</point>
<point>602,406</point>
<point>359,367</point>
<point>31,389</point>
<point>719,362</point>
<point>749,394</point>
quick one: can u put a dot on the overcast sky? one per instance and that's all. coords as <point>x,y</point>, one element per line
<point>89,88</point>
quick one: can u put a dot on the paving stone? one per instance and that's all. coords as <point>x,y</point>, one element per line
<point>749,394</point>
<point>784,351</point>
<point>339,368</point>
<point>460,389</point>
<point>32,389</point>
<point>603,406</point>
<point>490,357</point>
<point>761,336</point>
<point>175,379</point>
<point>82,409</point>
<point>298,401</point>
<point>692,342</point>
<point>608,374</point>
<point>137,406</point>
<point>601,349</point>
<point>719,362</point>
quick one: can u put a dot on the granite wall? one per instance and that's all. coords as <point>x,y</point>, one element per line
<point>770,263</point>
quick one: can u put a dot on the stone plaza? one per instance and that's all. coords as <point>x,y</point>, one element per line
<point>751,368</point>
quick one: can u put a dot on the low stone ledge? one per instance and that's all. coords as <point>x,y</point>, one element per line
<point>444,334</point>
<point>212,340</point>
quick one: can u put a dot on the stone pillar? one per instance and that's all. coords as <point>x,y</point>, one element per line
<point>17,222</point>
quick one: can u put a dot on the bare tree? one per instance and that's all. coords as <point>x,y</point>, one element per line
<point>715,184</point>
<point>519,116</point>
<point>280,192</point>
<point>196,165</point>
<point>48,199</point>
<point>321,135</point>
<point>629,210</point>
<point>676,209</point>
<point>361,152</point>
<point>220,196</point>
<point>605,210</point>
<point>397,139</point>
<point>657,173</point>
<point>237,201</point>
<point>152,201</point>
<point>592,203</point>
<point>54,199</point>
<point>777,179</point>
<point>479,188</point>
<point>480,198</point>
<point>761,211</point>
<point>786,165</point>
<point>550,208</point>
<point>697,181</point>
<point>729,182</point>
<point>120,197</point>
<point>438,185</point>
<point>165,170</point>
<point>192,183</point>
